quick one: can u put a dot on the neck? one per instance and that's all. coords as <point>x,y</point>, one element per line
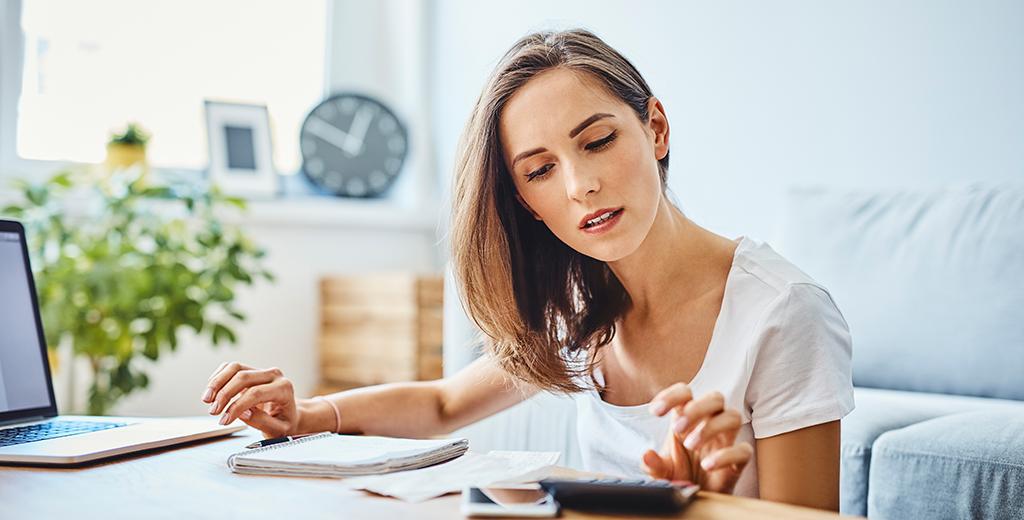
<point>677,262</point>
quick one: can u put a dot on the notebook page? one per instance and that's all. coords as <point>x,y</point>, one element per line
<point>347,450</point>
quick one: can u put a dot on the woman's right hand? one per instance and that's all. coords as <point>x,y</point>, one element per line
<point>266,399</point>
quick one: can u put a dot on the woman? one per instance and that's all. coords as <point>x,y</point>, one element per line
<point>691,356</point>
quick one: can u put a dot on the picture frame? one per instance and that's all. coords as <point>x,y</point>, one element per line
<point>241,160</point>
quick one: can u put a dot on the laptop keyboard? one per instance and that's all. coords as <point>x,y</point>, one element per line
<point>51,430</point>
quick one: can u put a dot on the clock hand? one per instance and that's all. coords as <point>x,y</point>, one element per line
<point>362,123</point>
<point>330,133</point>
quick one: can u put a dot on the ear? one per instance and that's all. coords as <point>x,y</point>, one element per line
<point>527,206</point>
<point>657,123</point>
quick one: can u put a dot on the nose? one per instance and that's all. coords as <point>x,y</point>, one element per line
<point>579,184</point>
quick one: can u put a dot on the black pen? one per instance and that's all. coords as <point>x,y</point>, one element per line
<point>276,440</point>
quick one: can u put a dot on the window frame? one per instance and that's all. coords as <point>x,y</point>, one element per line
<point>12,51</point>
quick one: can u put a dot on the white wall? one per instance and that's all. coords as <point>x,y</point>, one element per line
<point>764,95</point>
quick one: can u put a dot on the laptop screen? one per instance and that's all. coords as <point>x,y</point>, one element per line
<point>23,379</point>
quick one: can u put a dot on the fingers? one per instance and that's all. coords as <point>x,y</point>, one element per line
<point>674,396</point>
<point>655,466</point>
<point>264,422</point>
<point>208,392</point>
<point>214,373</point>
<point>696,411</point>
<point>276,390</point>
<point>696,423</point>
<point>220,376</point>
<point>734,457</point>
<point>239,381</point>
<point>726,423</point>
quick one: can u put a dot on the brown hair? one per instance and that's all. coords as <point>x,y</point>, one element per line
<point>537,315</point>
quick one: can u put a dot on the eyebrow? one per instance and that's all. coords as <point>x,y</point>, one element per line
<point>587,122</point>
<point>572,133</point>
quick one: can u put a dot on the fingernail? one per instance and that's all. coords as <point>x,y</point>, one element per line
<point>658,408</point>
<point>708,463</point>
<point>213,408</point>
<point>680,425</point>
<point>246,415</point>
<point>224,419</point>
<point>207,395</point>
<point>691,440</point>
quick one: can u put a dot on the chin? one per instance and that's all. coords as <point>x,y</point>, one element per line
<point>611,250</point>
<point>610,247</point>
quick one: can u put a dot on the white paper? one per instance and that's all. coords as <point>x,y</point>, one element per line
<point>471,469</point>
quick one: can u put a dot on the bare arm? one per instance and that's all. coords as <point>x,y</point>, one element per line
<point>801,467</point>
<point>418,409</point>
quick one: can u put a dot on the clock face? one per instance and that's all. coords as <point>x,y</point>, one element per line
<point>352,146</point>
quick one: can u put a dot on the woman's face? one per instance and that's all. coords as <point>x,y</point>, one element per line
<point>583,162</point>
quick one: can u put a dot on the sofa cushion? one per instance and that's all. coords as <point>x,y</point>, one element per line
<point>930,282</point>
<point>880,411</point>
<point>966,465</point>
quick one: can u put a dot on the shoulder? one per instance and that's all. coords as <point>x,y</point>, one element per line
<point>799,353</point>
<point>773,288</point>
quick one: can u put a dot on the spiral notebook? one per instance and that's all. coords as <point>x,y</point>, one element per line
<point>328,454</point>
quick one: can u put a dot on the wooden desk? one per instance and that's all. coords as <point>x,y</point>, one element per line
<point>193,481</point>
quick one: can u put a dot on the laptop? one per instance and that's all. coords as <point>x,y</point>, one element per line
<point>31,431</point>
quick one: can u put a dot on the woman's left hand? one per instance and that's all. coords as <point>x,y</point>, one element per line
<point>701,442</point>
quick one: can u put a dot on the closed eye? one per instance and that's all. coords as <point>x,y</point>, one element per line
<point>595,146</point>
<point>538,172</point>
<point>602,143</point>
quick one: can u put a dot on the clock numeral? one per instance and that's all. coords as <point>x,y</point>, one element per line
<point>378,180</point>
<point>387,124</point>
<point>356,187</point>
<point>396,144</point>
<point>327,111</point>
<point>315,166</point>
<point>308,146</point>
<point>333,181</point>
<point>349,105</point>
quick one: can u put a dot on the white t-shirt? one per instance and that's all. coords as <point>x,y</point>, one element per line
<point>780,353</point>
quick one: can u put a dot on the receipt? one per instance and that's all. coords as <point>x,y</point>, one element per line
<point>471,469</point>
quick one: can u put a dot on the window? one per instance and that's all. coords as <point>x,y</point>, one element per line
<point>91,67</point>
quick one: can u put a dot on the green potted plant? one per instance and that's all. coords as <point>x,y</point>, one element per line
<point>127,148</point>
<point>124,274</point>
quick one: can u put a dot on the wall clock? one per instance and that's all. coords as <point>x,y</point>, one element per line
<point>352,146</point>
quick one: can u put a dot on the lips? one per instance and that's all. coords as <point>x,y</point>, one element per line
<point>598,217</point>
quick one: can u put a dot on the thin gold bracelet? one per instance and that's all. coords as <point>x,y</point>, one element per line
<point>337,413</point>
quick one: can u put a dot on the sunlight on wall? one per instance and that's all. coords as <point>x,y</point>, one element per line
<point>90,67</point>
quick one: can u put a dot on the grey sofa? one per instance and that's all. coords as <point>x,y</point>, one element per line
<point>932,285</point>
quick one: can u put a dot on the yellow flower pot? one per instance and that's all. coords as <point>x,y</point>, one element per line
<point>121,155</point>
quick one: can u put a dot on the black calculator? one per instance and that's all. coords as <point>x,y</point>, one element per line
<point>621,495</point>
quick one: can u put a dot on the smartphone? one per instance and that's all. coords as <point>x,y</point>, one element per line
<point>527,500</point>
